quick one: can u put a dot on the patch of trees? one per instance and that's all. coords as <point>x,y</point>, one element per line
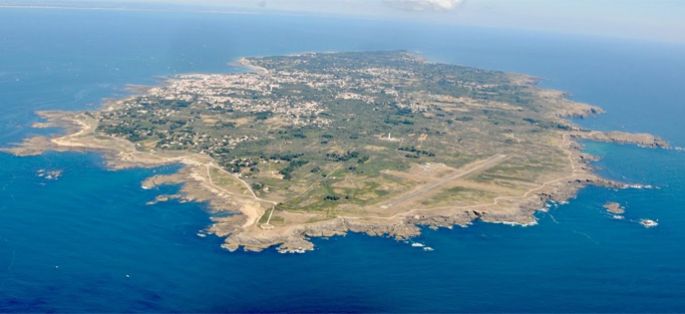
<point>236,165</point>
<point>415,152</point>
<point>133,133</point>
<point>331,197</point>
<point>395,121</point>
<point>291,133</point>
<point>263,115</point>
<point>176,124</point>
<point>218,151</point>
<point>298,134</point>
<point>338,157</point>
<point>403,112</point>
<point>292,166</point>
<point>293,159</point>
<point>325,138</point>
<point>173,103</point>
<point>226,124</point>
<point>289,156</point>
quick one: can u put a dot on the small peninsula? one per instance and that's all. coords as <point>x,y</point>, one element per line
<point>321,144</point>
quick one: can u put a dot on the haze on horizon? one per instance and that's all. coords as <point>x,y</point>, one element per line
<point>659,20</point>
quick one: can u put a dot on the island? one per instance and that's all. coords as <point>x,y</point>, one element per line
<point>321,144</point>
<point>614,208</point>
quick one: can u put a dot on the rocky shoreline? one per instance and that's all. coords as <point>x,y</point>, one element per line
<point>296,239</point>
<point>641,139</point>
<point>242,229</point>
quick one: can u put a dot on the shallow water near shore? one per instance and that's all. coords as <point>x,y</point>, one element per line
<point>87,242</point>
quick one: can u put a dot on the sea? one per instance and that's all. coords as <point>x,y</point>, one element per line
<point>87,241</point>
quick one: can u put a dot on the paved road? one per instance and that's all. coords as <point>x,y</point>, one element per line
<point>422,190</point>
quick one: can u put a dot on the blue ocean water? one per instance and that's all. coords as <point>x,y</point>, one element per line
<point>87,242</point>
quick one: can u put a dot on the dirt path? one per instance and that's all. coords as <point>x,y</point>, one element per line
<point>250,209</point>
<point>245,184</point>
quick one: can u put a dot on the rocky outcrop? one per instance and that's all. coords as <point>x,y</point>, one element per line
<point>640,139</point>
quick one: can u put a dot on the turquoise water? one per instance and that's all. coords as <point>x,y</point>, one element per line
<point>87,242</point>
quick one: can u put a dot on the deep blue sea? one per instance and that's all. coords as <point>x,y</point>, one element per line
<point>87,242</point>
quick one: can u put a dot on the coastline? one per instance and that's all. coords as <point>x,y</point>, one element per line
<point>242,229</point>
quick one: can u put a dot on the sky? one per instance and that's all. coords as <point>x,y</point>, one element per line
<point>655,20</point>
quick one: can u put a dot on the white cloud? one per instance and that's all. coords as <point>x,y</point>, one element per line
<point>424,5</point>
